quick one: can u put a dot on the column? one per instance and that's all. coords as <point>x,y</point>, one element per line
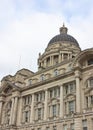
<point>32,109</point>
<point>46,105</point>
<point>20,111</point>
<point>11,117</point>
<point>15,110</point>
<point>59,57</point>
<point>78,95</point>
<point>1,104</point>
<point>88,84</point>
<point>62,57</point>
<point>89,101</point>
<point>67,107</point>
<point>51,60</point>
<point>61,102</point>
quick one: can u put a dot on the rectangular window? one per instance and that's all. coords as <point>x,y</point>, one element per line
<point>47,128</point>
<point>72,127</point>
<point>90,61</point>
<point>71,106</point>
<point>54,110</point>
<point>27,100</point>
<point>84,124</point>
<point>26,116</point>
<point>64,127</point>
<point>91,100</point>
<point>39,113</point>
<point>55,92</point>
<point>72,87</point>
<point>38,128</point>
<point>54,128</point>
<point>87,102</point>
<point>91,82</point>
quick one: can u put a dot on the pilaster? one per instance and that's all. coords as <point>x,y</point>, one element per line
<point>61,102</point>
<point>46,105</point>
<point>32,109</point>
<point>78,94</point>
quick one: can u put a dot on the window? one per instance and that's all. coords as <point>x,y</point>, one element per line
<point>91,100</point>
<point>64,127</point>
<point>42,77</point>
<point>90,61</point>
<point>29,81</point>
<point>65,56</point>
<point>56,59</point>
<point>87,102</point>
<point>55,72</point>
<point>54,128</point>
<point>27,100</point>
<point>91,82</point>
<point>69,88</point>
<point>26,116</point>
<point>72,127</point>
<point>39,113</point>
<point>71,106</point>
<point>40,96</point>
<point>38,128</point>
<point>47,128</point>
<point>84,124</point>
<point>54,92</point>
<point>54,110</point>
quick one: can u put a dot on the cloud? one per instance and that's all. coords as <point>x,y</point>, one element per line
<point>26,27</point>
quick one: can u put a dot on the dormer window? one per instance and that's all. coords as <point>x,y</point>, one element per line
<point>55,72</point>
<point>90,61</point>
<point>30,81</point>
<point>42,77</point>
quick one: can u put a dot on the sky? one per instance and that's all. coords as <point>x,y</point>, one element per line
<point>27,26</point>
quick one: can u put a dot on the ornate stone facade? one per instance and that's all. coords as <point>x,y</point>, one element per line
<point>59,96</point>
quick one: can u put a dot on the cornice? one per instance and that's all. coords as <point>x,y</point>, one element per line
<point>61,76</point>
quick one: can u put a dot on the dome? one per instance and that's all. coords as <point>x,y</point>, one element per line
<point>64,37</point>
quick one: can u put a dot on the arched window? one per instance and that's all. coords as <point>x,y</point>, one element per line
<point>90,61</point>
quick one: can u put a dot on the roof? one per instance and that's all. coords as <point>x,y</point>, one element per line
<point>64,37</point>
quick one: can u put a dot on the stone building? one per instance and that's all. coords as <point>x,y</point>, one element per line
<point>59,96</point>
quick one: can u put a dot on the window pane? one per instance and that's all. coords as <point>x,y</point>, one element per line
<point>54,110</point>
<point>65,127</point>
<point>71,106</point>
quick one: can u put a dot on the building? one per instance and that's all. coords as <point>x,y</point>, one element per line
<point>59,96</point>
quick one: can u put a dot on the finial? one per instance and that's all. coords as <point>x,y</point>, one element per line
<point>63,24</point>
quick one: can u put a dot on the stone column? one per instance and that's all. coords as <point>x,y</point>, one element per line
<point>12,113</point>
<point>62,57</point>
<point>32,109</point>
<point>89,101</point>
<point>15,110</point>
<point>46,105</point>
<point>59,57</point>
<point>1,104</point>
<point>78,95</point>
<point>20,111</point>
<point>61,102</point>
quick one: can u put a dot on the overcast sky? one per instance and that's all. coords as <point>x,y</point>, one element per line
<point>26,27</point>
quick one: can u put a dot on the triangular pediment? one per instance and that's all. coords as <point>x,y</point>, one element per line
<point>8,87</point>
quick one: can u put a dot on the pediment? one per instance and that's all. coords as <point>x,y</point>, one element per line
<point>8,87</point>
<point>84,55</point>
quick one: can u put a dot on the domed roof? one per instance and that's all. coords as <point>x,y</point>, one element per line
<point>63,36</point>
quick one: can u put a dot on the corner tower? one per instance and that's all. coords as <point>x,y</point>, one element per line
<point>62,47</point>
